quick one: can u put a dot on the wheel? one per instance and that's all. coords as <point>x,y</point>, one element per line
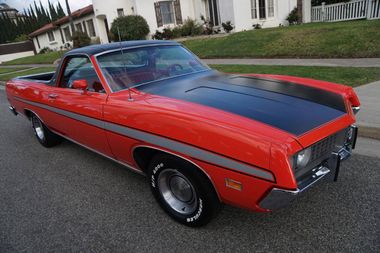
<point>44,135</point>
<point>182,190</point>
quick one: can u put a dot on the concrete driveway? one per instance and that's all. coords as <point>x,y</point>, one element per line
<point>68,199</point>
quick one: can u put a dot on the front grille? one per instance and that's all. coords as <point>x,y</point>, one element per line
<point>320,151</point>
<point>324,147</point>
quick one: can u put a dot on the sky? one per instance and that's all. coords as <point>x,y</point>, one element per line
<point>21,4</point>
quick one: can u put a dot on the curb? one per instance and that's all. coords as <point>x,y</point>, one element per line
<point>369,132</point>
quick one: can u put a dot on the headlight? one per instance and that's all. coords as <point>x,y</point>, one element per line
<point>301,159</point>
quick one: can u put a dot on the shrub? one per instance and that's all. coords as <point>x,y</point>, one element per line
<point>131,27</point>
<point>293,17</point>
<point>21,38</point>
<point>227,27</point>
<point>190,28</point>
<point>45,50</point>
<point>80,39</point>
<point>256,26</point>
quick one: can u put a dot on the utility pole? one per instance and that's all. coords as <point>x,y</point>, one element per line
<point>70,17</point>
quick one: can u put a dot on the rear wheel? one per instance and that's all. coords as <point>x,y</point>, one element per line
<point>43,134</point>
<point>183,191</point>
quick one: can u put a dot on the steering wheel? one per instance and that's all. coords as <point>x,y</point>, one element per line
<point>174,67</point>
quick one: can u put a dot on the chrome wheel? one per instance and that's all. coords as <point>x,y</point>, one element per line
<point>177,191</point>
<point>38,128</point>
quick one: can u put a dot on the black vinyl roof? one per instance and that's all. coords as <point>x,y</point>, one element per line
<point>95,49</point>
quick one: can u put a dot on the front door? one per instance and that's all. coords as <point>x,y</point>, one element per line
<point>213,12</point>
<point>80,113</point>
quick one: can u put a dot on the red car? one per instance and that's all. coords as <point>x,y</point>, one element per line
<point>202,137</point>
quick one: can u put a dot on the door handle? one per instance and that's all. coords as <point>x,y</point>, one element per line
<point>53,96</point>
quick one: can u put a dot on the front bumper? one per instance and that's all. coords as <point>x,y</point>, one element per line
<point>329,170</point>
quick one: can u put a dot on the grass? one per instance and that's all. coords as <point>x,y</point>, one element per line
<point>26,72</point>
<point>47,58</point>
<point>315,40</point>
<point>7,70</point>
<point>351,76</point>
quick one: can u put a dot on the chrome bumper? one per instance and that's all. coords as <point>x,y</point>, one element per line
<point>278,198</point>
<point>13,110</point>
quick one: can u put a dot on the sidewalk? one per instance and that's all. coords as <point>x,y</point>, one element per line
<point>368,118</point>
<point>355,62</point>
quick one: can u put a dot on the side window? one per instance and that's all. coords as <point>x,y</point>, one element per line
<point>78,68</point>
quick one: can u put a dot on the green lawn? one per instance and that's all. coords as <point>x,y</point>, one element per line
<point>47,58</point>
<point>316,40</point>
<point>26,72</point>
<point>343,75</point>
<point>7,70</point>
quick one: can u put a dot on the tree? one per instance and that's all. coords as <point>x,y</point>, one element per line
<point>60,11</point>
<point>131,27</point>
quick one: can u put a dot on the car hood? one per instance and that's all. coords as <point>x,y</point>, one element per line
<point>290,107</point>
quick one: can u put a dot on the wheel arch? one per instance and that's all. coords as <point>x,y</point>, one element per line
<point>143,154</point>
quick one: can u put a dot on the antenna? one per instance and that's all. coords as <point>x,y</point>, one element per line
<point>124,65</point>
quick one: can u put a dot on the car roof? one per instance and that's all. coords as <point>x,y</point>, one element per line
<point>96,49</point>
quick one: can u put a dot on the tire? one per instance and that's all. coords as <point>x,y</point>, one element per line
<point>182,190</point>
<point>44,136</point>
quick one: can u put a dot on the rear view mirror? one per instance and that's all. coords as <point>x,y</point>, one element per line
<point>80,84</point>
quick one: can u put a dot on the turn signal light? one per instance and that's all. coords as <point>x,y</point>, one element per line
<point>234,184</point>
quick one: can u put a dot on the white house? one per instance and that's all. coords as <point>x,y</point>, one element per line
<point>58,34</point>
<point>160,13</point>
<point>96,19</point>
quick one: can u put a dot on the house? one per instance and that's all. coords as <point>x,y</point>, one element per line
<point>57,34</point>
<point>96,19</point>
<point>9,12</point>
<point>242,13</point>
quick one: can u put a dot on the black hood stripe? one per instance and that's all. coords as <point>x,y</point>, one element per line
<point>291,107</point>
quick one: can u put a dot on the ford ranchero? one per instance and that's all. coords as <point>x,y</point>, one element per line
<point>201,137</point>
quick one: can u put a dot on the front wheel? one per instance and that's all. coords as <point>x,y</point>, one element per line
<point>43,134</point>
<point>183,191</point>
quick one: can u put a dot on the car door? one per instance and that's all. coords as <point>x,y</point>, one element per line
<point>80,111</point>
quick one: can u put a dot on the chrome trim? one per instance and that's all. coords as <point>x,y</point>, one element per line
<point>356,109</point>
<point>166,143</point>
<point>134,47</point>
<point>179,156</point>
<point>278,198</point>
<point>13,110</point>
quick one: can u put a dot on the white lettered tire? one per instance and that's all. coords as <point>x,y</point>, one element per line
<point>182,190</point>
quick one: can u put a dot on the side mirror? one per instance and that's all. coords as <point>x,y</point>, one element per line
<point>80,84</point>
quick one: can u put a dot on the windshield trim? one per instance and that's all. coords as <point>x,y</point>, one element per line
<point>207,68</point>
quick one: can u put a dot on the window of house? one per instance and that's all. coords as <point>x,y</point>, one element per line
<point>91,28</point>
<point>253,9</point>
<point>270,8</point>
<point>120,12</point>
<point>167,12</point>
<point>66,32</point>
<point>78,27</point>
<point>84,27</point>
<point>262,9</point>
<point>51,36</point>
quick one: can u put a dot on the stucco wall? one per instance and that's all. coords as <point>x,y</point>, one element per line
<point>57,44</point>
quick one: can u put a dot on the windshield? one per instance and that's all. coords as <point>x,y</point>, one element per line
<point>132,67</point>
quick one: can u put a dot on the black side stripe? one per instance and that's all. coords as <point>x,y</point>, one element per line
<point>191,151</point>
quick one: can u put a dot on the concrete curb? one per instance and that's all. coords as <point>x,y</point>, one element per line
<point>364,131</point>
<point>369,132</point>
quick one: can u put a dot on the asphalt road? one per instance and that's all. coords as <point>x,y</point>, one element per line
<point>69,199</point>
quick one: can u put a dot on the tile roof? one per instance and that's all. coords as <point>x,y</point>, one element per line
<point>76,14</point>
